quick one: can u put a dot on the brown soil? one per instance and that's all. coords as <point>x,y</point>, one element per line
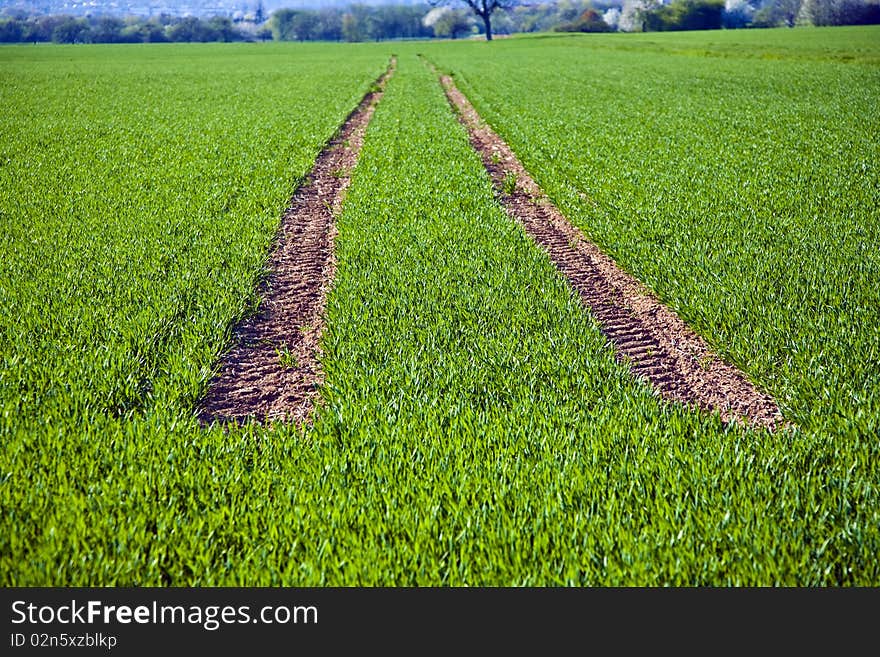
<point>651,338</point>
<point>272,372</point>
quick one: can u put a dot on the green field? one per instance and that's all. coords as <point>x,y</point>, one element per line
<point>474,428</point>
<point>744,190</point>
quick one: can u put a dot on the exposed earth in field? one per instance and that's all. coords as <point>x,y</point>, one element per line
<point>650,337</point>
<point>272,371</point>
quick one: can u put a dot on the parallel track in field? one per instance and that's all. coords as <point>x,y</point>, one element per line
<point>647,335</point>
<point>272,371</point>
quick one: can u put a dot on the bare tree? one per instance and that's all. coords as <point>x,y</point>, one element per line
<point>482,8</point>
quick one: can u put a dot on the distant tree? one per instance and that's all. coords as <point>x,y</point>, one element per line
<point>65,28</point>
<point>11,31</point>
<point>569,10</point>
<point>329,24</point>
<point>447,22</point>
<point>356,23</point>
<point>41,29</point>
<point>838,12</point>
<point>223,29</point>
<point>635,13</point>
<point>737,13</point>
<point>482,9</point>
<point>777,13</point>
<point>150,31</point>
<point>107,29</point>
<point>866,12</point>
<point>612,18</point>
<point>814,13</point>
<point>694,14</point>
<point>260,14</point>
<point>295,25</point>
<point>71,30</point>
<point>589,21</point>
<point>528,21</point>
<point>684,15</point>
<point>191,28</point>
<point>280,22</point>
<point>398,22</point>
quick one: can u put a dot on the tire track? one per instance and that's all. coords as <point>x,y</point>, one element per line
<point>648,336</point>
<point>272,371</point>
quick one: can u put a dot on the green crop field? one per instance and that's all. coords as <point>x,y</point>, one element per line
<point>744,190</point>
<point>474,427</point>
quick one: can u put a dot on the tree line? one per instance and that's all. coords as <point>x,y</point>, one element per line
<point>111,29</point>
<point>665,15</point>
<point>444,19</point>
<point>357,22</point>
